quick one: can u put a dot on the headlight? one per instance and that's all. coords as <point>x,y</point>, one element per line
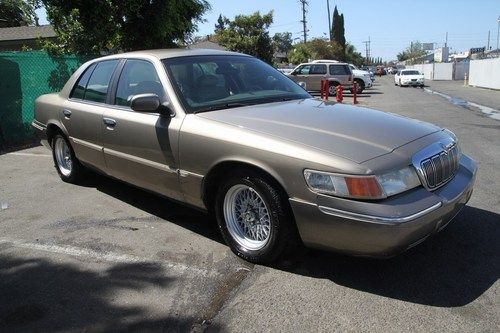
<point>398,181</point>
<point>362,187</point>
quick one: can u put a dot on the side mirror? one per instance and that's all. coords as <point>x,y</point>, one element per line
<point>303,85</point>
<point>150,103</point>
<point>145,103</point>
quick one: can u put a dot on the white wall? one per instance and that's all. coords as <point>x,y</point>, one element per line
<point>442,71</point>
<point>485,73</point>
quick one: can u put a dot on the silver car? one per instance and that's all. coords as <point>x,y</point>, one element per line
<point>229,134</point>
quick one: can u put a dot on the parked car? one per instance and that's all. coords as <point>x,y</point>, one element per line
<point>229,134</point>
<point>381,71</point>
<point>312,73</point>
<point>409,77</point>
<point>392,70</point>
<point>362,78</point>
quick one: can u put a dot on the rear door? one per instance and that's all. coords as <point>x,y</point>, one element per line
<point>141,148</point>
<point>82,112</point>
<point>341,73</point>
<point>316,74</point>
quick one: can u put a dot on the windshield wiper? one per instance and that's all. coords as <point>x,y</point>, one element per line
<point>223,106</point>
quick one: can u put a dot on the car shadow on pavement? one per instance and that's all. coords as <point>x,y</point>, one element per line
<point>38,295</point>
<point>163,208</point>
<point>450,269</point>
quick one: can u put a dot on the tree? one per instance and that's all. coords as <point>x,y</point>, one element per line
<point>282,42</point>
<point>95,26</point>
<point>338,31</point>
<point>317,48</point>
<point>299,54</point>
<point>15,13</point>
<point>248,34</point>
<point>222,21</point>
<point>414,51</point>
<point>352,56</point>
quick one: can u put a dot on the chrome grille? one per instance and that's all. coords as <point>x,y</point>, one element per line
<point>440,168</point>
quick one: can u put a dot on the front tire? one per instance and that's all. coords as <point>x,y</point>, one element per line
<point>361,86</point>
<point>255,219</point>
<point>67,165</point>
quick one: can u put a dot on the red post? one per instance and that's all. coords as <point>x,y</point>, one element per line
<point>340,93</point>
<point>355,93</point>
<point>324,89</point>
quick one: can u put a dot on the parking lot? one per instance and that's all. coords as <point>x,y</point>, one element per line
<point>104,256</point>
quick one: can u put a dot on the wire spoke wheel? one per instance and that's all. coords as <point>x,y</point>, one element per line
<point>247,217</point>
<point>63,156</point>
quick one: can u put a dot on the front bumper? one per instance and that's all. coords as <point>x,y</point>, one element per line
<point>412,83</point>
<point>385,228</point>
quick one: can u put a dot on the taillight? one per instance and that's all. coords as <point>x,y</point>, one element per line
<point>350,78</point>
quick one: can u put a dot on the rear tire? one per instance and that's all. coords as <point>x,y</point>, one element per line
<point>67,165</point>
<point>254,218</point>
<point>332,88</point>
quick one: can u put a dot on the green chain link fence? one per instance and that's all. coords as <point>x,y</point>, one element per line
<point>23,77</point>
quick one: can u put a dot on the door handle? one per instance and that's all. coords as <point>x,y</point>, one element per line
<point>66,113</point>
<point>110,123</point>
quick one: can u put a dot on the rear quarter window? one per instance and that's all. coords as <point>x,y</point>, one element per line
<point>81,84</point>
<point>340,70</point>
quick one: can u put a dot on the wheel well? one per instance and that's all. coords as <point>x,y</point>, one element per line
<point>224,170</point>
<point>52,130</point>
<point>333,83</point>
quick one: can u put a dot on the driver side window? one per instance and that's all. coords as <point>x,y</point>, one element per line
<point>138,77</point>
<point>304,70</point>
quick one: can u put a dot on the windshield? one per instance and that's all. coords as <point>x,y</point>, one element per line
<point>207,83</point>
<point>410,73</point>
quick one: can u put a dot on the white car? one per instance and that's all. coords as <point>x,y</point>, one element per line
<point>362,78</point>
<point>409,77</point>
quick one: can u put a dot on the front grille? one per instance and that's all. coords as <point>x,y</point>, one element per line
<point>440,168</point>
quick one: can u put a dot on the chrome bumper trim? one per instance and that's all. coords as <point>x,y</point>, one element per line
<point>38,125</point>
<point>377,219</point>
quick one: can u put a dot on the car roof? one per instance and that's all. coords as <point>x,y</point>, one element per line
<point>324,63</point>
<point>171,53</point>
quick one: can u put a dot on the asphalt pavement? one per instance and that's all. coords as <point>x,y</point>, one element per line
<point>104,256</point>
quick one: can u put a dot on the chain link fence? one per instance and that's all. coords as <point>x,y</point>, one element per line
<point>23,77</point>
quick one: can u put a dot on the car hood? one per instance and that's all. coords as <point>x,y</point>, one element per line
<point>355,133</point>
<point>359,72</point>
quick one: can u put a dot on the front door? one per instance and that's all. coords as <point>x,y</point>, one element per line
<point>140,148</point>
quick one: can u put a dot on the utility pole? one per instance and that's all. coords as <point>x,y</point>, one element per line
<point>498,29</point>
<point>329,19</point>
<point>488,47</point>
<point>367,50</point>
<point>446,42</point>
<point>304,21</point>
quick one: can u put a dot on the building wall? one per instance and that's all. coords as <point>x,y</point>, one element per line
<point>485,73</point>
<point>443,71</point>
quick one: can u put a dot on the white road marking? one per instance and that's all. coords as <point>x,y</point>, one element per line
<point>489,112</point>
<point>104,256</point>
<point>29,154</point>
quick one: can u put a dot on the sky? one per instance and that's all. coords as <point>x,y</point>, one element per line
<point>391,25</point>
